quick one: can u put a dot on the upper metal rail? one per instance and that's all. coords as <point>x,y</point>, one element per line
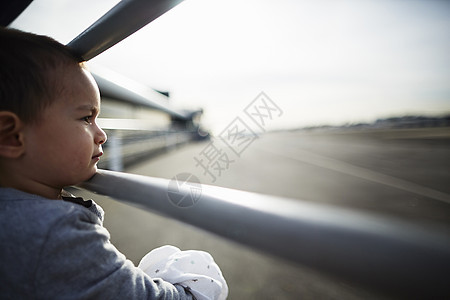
<point>122,20</point>
<point>390,257</point>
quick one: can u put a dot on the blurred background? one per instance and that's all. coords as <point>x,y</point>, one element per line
<point>345,103</point>
<point>324,62</point>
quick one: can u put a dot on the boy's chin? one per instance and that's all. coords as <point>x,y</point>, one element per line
<point>88,175</point>
<point>92,173</point>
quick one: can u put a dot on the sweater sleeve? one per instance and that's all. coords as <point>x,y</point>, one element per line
<point>77,261</point>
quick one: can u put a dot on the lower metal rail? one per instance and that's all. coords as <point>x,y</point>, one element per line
<point>388,256</point>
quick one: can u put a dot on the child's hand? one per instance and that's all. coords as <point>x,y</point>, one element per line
<point>192,269</point>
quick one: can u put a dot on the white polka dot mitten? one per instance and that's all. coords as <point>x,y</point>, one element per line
<point>192,269</point>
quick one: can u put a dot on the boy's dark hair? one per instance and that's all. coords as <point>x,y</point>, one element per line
<point>31,68</point>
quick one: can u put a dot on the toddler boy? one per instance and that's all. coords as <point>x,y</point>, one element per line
<point>53,245</point>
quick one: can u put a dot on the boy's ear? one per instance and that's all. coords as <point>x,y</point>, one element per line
<point>11,135</point>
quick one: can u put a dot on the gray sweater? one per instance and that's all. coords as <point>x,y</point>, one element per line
<point>55,249</point>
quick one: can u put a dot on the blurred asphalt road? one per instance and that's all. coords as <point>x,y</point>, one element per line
<point>399,173</point>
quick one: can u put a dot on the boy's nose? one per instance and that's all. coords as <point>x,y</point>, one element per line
<point>100,137</point>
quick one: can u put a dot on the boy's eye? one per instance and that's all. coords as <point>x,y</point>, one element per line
<point>87,119</point>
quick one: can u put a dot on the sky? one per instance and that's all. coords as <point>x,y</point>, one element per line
<point>321,62</point>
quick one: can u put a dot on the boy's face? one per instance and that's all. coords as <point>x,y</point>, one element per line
<point>65,146</point>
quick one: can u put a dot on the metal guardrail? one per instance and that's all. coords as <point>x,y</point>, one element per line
<point>133,139</point>
<point>126,90</point>
<point>127,17</point>
<point>123,149</point>
<point>387,256</point>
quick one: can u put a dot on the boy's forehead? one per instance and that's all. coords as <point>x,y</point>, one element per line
<point>80,89</point>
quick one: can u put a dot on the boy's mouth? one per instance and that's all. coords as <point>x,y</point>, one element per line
<point>97,156</point>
